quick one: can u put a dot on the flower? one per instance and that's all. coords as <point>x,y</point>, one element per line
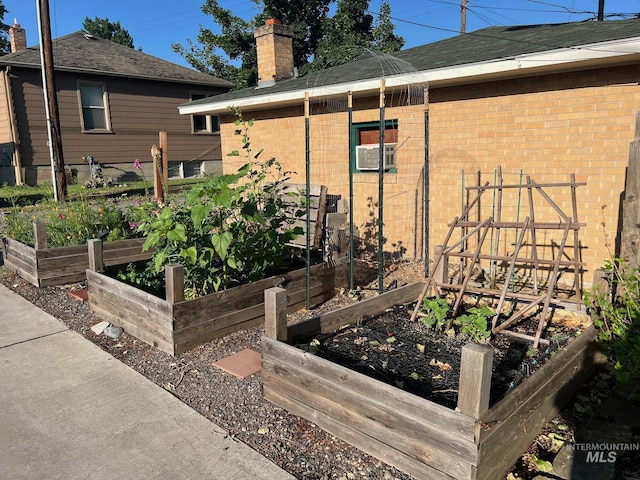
<point>137,164</point>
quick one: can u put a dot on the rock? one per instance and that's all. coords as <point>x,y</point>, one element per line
<point>98,328</point>
<point>113,332</point>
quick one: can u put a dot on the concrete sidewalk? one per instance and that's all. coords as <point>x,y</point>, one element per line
<point>68,410</point>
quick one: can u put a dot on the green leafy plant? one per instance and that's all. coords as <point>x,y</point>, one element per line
<point>435,312</point>
<point>474,323</point>
<point>231,229</point>
<point>70,223</point>
<point>615,312</point>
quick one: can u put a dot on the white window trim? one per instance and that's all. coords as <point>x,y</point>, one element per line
<point>105,101</point>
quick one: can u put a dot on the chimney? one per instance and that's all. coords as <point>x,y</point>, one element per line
<point>18,37</point>
<point>274,44</point>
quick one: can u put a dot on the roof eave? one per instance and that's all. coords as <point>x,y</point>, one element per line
<point>565,59</point>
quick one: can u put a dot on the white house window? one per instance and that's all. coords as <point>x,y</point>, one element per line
<point>204,123</point>
<point>93,104</point>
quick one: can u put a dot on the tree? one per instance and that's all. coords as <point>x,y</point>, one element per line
<point>346,34</point>
<point>384,38</point>
<point>103,28</point>
<point>319,41</point>
<point>5,44</point>
<point>236,41</point>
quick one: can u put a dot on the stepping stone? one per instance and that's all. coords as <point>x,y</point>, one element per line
<point>81,295</point>
<point>242,364</point>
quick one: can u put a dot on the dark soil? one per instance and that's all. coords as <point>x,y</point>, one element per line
<point>295,444</point>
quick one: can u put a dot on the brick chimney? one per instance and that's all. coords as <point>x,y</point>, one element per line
<point>274,44</point>
<point>18,37</point>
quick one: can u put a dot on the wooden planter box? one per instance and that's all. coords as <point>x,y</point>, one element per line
<point>175,325</point>
<point>44,266</point>
<point>417,436</point>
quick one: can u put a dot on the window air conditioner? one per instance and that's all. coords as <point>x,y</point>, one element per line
<point>368,156</point>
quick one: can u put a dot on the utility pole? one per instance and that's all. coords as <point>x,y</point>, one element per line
<point>463,16</point>
<point>51,102</point>
<point>600,10</point>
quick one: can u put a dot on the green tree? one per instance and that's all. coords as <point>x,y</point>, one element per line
<point>103,28</point>
<point>346,34</point>
<point>5,44</point>
<point>319,40</point>
<point>239,63</point>
<point>384,38</point>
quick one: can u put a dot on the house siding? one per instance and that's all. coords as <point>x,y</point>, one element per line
<point>138,109</point>
<point>547,127</point>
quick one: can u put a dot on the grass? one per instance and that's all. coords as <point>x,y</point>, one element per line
<point>26,195</point>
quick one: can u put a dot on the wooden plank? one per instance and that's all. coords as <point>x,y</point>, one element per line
<point>275,308</point>
<point>62,251</point>
<point>438,416</point>
<point>197,310</point>
<point>475,379</point>
<point>24,257</point>
<point>369,445</point>
<point>371,413</point>
<point>12,245</point>
<point>74,262</point>
<point>127,292</point>
<point>515,422</point>
<point>57,279</point>
<point>25,271</point>
<point>133,328</point>
<point>329,322</point>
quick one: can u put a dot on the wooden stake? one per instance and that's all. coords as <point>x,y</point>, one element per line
<point>275,313</point>
<point>174,283</point>
<point>96,260</point>
<point>39,235</point>
<point>475,379</point>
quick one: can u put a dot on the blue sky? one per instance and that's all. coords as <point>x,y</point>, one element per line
<point>156,24</point>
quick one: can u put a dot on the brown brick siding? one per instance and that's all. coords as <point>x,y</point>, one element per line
<point>547,127</point>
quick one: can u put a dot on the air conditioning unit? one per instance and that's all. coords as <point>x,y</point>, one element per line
<point>368,156</point>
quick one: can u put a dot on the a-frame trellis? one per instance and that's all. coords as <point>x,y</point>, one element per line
<point>499,285</point>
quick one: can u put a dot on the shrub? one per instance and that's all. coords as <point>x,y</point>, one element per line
<point>615,312</point>
<point>232,228</point>
<point>71,223</point>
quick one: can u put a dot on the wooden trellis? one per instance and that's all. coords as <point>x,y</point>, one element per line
<point>471,251</point>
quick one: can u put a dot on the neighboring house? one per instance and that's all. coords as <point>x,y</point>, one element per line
<point>542,100</point>
<point>113,101</point>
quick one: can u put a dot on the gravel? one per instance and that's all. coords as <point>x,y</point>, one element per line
<point>296,445</point>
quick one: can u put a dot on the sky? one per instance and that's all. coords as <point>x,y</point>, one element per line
<point>156,24</point>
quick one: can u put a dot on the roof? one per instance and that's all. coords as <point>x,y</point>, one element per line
<point>490,50</point>
<point>81,52</point>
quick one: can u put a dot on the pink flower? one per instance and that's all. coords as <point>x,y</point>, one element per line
<point>137,202</point>
<point>137,164</point>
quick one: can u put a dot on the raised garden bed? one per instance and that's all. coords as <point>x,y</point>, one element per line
<point>44,266</point>
<point>418,436</point>
<point>174,325</point>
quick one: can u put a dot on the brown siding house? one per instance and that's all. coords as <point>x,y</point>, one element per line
<point>542,100</point>
<point>113,102</point>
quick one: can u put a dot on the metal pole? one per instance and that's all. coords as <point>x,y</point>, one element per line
<point>308,199</point>
<point>426,184</point>
<point>381,193</point>
<point>351,153</point>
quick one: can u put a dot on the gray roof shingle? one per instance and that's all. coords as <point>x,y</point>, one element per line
<point>493,43</point>
<point>79,52</point>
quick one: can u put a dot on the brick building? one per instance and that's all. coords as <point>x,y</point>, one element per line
<point>545,101</point>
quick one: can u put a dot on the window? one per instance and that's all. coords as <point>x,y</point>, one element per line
<point>204,123</point>
<point>94,107</point>
<point>365,159</point>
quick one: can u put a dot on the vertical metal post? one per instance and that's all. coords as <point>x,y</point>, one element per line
<point>426,184</point>
<point>351,154</point>
<point>308,199</point>
<point>381,193</point>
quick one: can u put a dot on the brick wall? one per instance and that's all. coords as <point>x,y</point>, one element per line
<point>547,127</point>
